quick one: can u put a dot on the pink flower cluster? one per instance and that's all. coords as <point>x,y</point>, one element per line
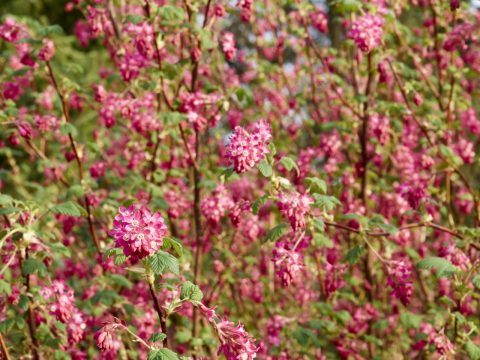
<point>288,262</point>
<point>228,46</point>
<point>295,206</point>
<point>61,304</point>
<point>200,109</point>
<point>246,149</point>
<point>236,343</point>
<point>319,20</point>
<point>367,32</point>
<point>105,336</point>
<point>47,52</point>
<point>215,206</point>
<point>138,231</point>
<point>400,280</point>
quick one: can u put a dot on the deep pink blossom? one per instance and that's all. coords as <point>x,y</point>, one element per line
<point>138,231</point>
<point>367,32</point>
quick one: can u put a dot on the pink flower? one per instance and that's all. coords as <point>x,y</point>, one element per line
<point>367,32</point>
<point>144,38</point>
<point>319,20</point>
<point>105,337</point>
<point>415,194</point>
<point>47,51</point>
<point>295,206</point>
<point>245,9</point>
<point>228,46</point>
<point>61,300</point>
<point>465,149</point>
<point>379,127</point>
<point>216,206</point>
<point>400,280</point>
<point>470,121</point>
<point>288,263</point>
<point>246,149</point>
<point>237,344</point>
<point>138,232</point>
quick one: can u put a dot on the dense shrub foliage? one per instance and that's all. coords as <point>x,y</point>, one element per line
<point>203,179</point>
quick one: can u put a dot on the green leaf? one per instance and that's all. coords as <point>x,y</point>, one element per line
<point>68,128</point>
<point>472,350</point>
<point>5,287</point>
<point>476,281</point>
<point>69,208</point>
<point>355,254</point>
<point>170,13</point>
<point>322,241</point>
<point>31,266</point>
<point>162,354</point>
<point>289,164</point>
<point>52,29</point>
<point>276,233</point>
<point>257,203</point>
<point>9,210</point>
<point>319,225</point>
<point>121,281</point>
<point>190,291</point>
<point>316,185</point>
<point>157,337</point>
<point>265,169</point>
<point>326,202</point>
<point>378,221</point>
<point>119,259</point>
<point>5,199</point>
<point>135,19</point>
<point>162,262</point>
<point>442,266</point>
<point>174,243</point>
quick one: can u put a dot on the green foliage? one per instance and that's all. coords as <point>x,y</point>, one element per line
<point>442,267</point>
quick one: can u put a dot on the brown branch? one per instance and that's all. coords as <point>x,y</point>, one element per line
<point>403,228</point>
<point>161,314</point>
<point>77,157</point>
<point>4,349</point>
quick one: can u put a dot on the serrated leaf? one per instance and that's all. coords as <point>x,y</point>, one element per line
<point>162,262</point>
<point>69,208</point>
<point>265,169</point>
<point>31,266</point>
<point>276,232</point>
<point>119,259</point>
<point>162,354</point>
<point>326,202</point>
<point>355,254</point>
<point>289,164</point>
<point>190,291</point>
<point>121,280</point>
<point>5,199</point>
<point>442,266</point>
<point>257,203</point>
<point>322,241</point>
<point>316,185</point>
<point>5,287</point>
<point>157,337</point>
<point>68,128</point>
<point>319,225</point>
<point>476,281</point>
<point>472,350</point>
<point>174,243</point>
<point>135,19</point>
<point>9,210</point>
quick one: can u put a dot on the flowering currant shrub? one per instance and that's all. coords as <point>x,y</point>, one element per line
<point>211,179</point>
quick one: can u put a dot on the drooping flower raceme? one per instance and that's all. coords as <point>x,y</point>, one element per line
<point>237,344</point>
<point>288,262</point>
<point>400,280</point>
<point>294,207</point>
<point>367,32</point>
<point>246,149</point>
<point>228,46</point>
<point>138,231</point>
